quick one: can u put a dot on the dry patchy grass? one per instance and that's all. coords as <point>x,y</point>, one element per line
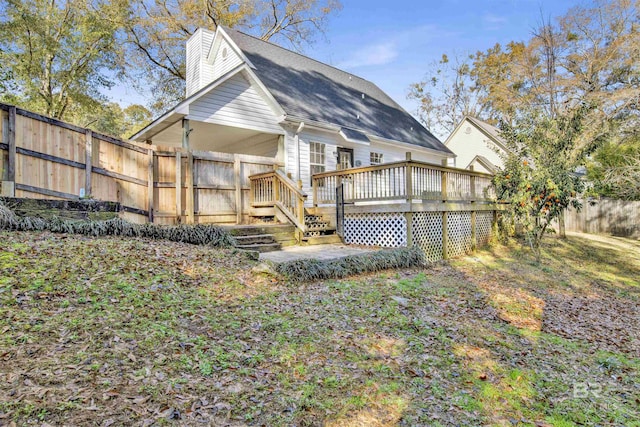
<point>114,331</point>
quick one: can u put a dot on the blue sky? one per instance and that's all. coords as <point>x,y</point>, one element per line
<point>392,42</point>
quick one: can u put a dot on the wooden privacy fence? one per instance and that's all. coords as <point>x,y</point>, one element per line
<point>42,157</point>
<point>406,180</point>
<point>616,217</point>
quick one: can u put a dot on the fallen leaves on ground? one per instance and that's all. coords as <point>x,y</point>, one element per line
<point>114,331</point>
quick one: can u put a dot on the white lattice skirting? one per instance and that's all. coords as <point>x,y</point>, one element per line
<point>427,234</point>
<point>388,230</point>
<point>484,221</point>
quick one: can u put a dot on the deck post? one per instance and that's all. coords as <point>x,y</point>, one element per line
<point>474,238</point>
<point>408,180</point>
<point>472,181</point>
<point>409,218</point>
<point>276,189</point>
<point>300,209</point>
<point>445,236</point>
<point>443,183</point>
<point>314,192</point>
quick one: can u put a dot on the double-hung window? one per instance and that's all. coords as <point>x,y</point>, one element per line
<point>317,157</point>
<point>375,158</point>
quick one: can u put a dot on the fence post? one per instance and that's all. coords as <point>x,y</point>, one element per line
<point>408,180</point>
<point>443,183</point>
<point>178,187</point>
<point>150,184</point>
<point>9,186</point>
<point>190,196</point>
<point>445,236</point>
<point>88,161</point>
<point>238,183</point>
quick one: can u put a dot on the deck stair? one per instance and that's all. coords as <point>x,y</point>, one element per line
<point>263,238</point>
<point>275,197</point>
<point>319,231</point>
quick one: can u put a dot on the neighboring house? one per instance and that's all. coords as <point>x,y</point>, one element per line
<point>478,144</point>
<point>248,96</point>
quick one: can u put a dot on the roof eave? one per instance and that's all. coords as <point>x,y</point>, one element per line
<point>448,153</point>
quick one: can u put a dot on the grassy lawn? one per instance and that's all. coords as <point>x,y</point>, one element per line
<point>113,331</point>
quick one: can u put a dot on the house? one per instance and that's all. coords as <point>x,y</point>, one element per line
<point>477,145</point>
<point>248,96</point>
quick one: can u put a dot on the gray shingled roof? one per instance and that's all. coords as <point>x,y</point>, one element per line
<point>354,135</point>
<point>308,89</point>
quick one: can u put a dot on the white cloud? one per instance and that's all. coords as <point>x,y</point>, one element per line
<point>492,21</point>
<point>376,54</point>
<point>385,51</point>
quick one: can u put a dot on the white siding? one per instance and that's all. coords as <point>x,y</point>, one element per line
<point>199,71</point>
<point>468,142</point>
<point>361,154</point>
<point>193,62</point>
<point>331,140</point>
<point>222,65</point>
<point>206,69</point>
<point>394,153</point>
<point>290,150</point>
<point>235,103</point>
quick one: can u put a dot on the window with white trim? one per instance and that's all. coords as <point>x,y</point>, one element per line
<point>317,157</point>
<point>375,158</point>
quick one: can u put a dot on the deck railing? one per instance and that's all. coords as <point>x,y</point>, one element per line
<point>275,189</point>
<point>407,180</point>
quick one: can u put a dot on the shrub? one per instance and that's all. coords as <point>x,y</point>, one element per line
<point>312,269</point>
<point>200,234</point>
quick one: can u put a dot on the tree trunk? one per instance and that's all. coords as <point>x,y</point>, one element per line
<point>561,229</point>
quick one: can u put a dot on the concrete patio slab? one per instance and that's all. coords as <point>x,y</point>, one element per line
<point>319,252</point>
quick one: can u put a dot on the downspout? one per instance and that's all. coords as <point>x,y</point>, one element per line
<point>297,144</point>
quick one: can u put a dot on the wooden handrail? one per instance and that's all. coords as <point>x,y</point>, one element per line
<point>275,189</point>
<point>289,183</point>
<point>405,180</point>
<point>400,163</point>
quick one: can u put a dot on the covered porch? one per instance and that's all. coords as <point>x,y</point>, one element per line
<point>177,131</point>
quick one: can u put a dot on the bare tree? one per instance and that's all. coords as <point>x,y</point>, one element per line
<point>157,34</point>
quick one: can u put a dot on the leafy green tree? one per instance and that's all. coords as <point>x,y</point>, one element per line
<point>614,170</point>
<point>59,55</point>
<point>135,118</point>
<point>111,119</point>
<point>537,180</point>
